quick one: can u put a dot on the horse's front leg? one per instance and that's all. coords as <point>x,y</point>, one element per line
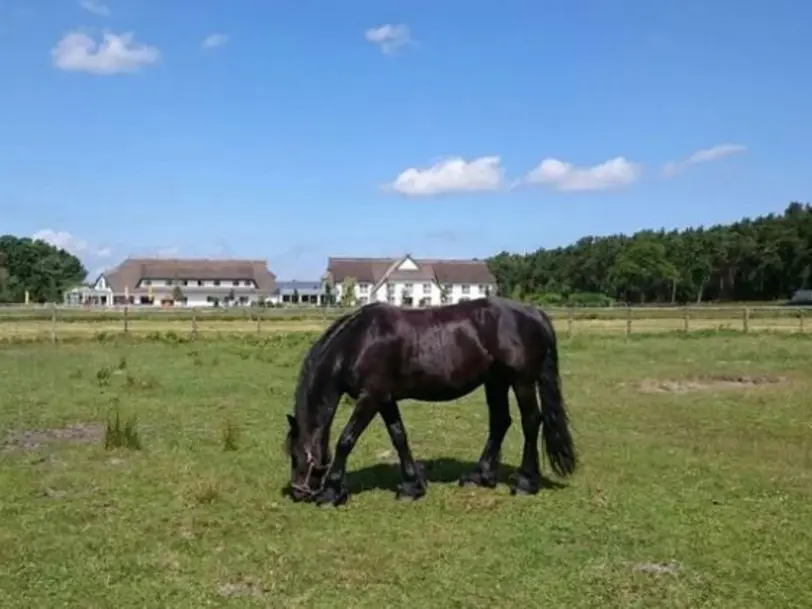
<point>413,485</point>
<point>334,487</point>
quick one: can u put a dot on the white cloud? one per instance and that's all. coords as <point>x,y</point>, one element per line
<point>115,54</point>
<point>614,173</point>
<point>389,37</point>
<point>76,246</point>
<point>212,41</point>
<point>706,155</point>
<point>95,7</point>
<point>451,175</point>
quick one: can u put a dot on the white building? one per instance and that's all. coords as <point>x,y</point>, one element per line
<point>411,282</point>
<point>190,282</point>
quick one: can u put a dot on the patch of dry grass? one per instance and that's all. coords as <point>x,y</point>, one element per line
<point>602,322</point>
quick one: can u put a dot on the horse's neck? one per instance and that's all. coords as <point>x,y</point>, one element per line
<point>323,404</point>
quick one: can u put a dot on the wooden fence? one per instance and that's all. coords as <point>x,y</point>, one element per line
<point>56,321</point>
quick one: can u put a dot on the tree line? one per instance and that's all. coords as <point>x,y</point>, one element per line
<point>762,259</point>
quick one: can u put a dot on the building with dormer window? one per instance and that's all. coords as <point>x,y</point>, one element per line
<point>411,282</point>
<point>191,282</point>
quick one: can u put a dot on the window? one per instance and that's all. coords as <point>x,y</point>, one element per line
<point>185,282</point>
<point>466,289</point>
<point>363,288</point>
<point>216,282</point>
<point>235,283</point>
<point>427,288</point>
<point>200,283</point>
<point>363,300</point>
<point>168,282</point>
<point>249,283</point>
<point>146,282</point>
<point>482,288</point>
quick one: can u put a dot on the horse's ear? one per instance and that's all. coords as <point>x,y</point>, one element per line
<point>294,426</point>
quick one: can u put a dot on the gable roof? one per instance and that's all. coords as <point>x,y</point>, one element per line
<point>376,270</point>
<point>132,270</point>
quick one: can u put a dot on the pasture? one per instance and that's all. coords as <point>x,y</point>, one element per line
<point>695,488</point>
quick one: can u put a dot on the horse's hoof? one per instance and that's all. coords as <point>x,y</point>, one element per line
<point>410,492</point>
<point>331,497</point>
<point>477,479</point>
<point>525,486</point>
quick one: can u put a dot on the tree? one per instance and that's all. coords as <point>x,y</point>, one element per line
<point>177,294</point>
<point>763,258</point>
<point>39,267</point>
<point>328,293</point>
<point>348,292</point>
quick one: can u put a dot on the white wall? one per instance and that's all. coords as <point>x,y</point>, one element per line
<point>398,288</point>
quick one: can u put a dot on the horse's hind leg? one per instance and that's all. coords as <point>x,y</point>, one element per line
<point>527,480</point>
<point>484,473</point>
<point>413,486</point>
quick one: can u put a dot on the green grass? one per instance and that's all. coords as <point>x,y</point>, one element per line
<point>694,492</point>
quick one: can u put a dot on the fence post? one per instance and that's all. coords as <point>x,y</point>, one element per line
<point>194,323</point>
<point>801,321</point>
<point>53,322</point>
<point>746,320</point>
<point>686,315</point>
<point>259,320</point>
<point>628,319</point>
<point>126,320</point>
<point>570,315</point>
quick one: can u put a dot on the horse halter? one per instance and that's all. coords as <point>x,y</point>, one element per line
<point>311,466</point>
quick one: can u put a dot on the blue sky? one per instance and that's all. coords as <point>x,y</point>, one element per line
<point>306,128</point>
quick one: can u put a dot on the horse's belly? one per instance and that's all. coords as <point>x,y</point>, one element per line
<point>442,382</point>
<point>443,393</point>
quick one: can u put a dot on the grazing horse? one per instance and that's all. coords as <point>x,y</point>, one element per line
<point>380,354</point>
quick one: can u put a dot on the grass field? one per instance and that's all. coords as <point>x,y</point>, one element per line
<point>21,323</point>
<point>695,491</point>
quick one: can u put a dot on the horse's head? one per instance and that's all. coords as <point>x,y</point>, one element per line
<point>308,461</point>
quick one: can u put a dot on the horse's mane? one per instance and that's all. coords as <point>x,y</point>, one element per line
<point>313,358</point>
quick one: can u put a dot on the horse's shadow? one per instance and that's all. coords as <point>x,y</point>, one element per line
<point>387,476</point>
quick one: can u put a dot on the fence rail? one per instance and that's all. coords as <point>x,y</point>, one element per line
<point>37,321</point>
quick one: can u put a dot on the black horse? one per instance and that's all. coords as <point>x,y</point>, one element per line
<point>380,354</point>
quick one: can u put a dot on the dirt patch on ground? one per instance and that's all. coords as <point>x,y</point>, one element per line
<point>32,439</point>
<point>708,383</point>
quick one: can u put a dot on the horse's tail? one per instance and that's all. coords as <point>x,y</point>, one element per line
<point>555,431</point>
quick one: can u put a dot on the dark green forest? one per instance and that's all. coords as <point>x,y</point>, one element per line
<point>42,269</point>
<point>763,259</point>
